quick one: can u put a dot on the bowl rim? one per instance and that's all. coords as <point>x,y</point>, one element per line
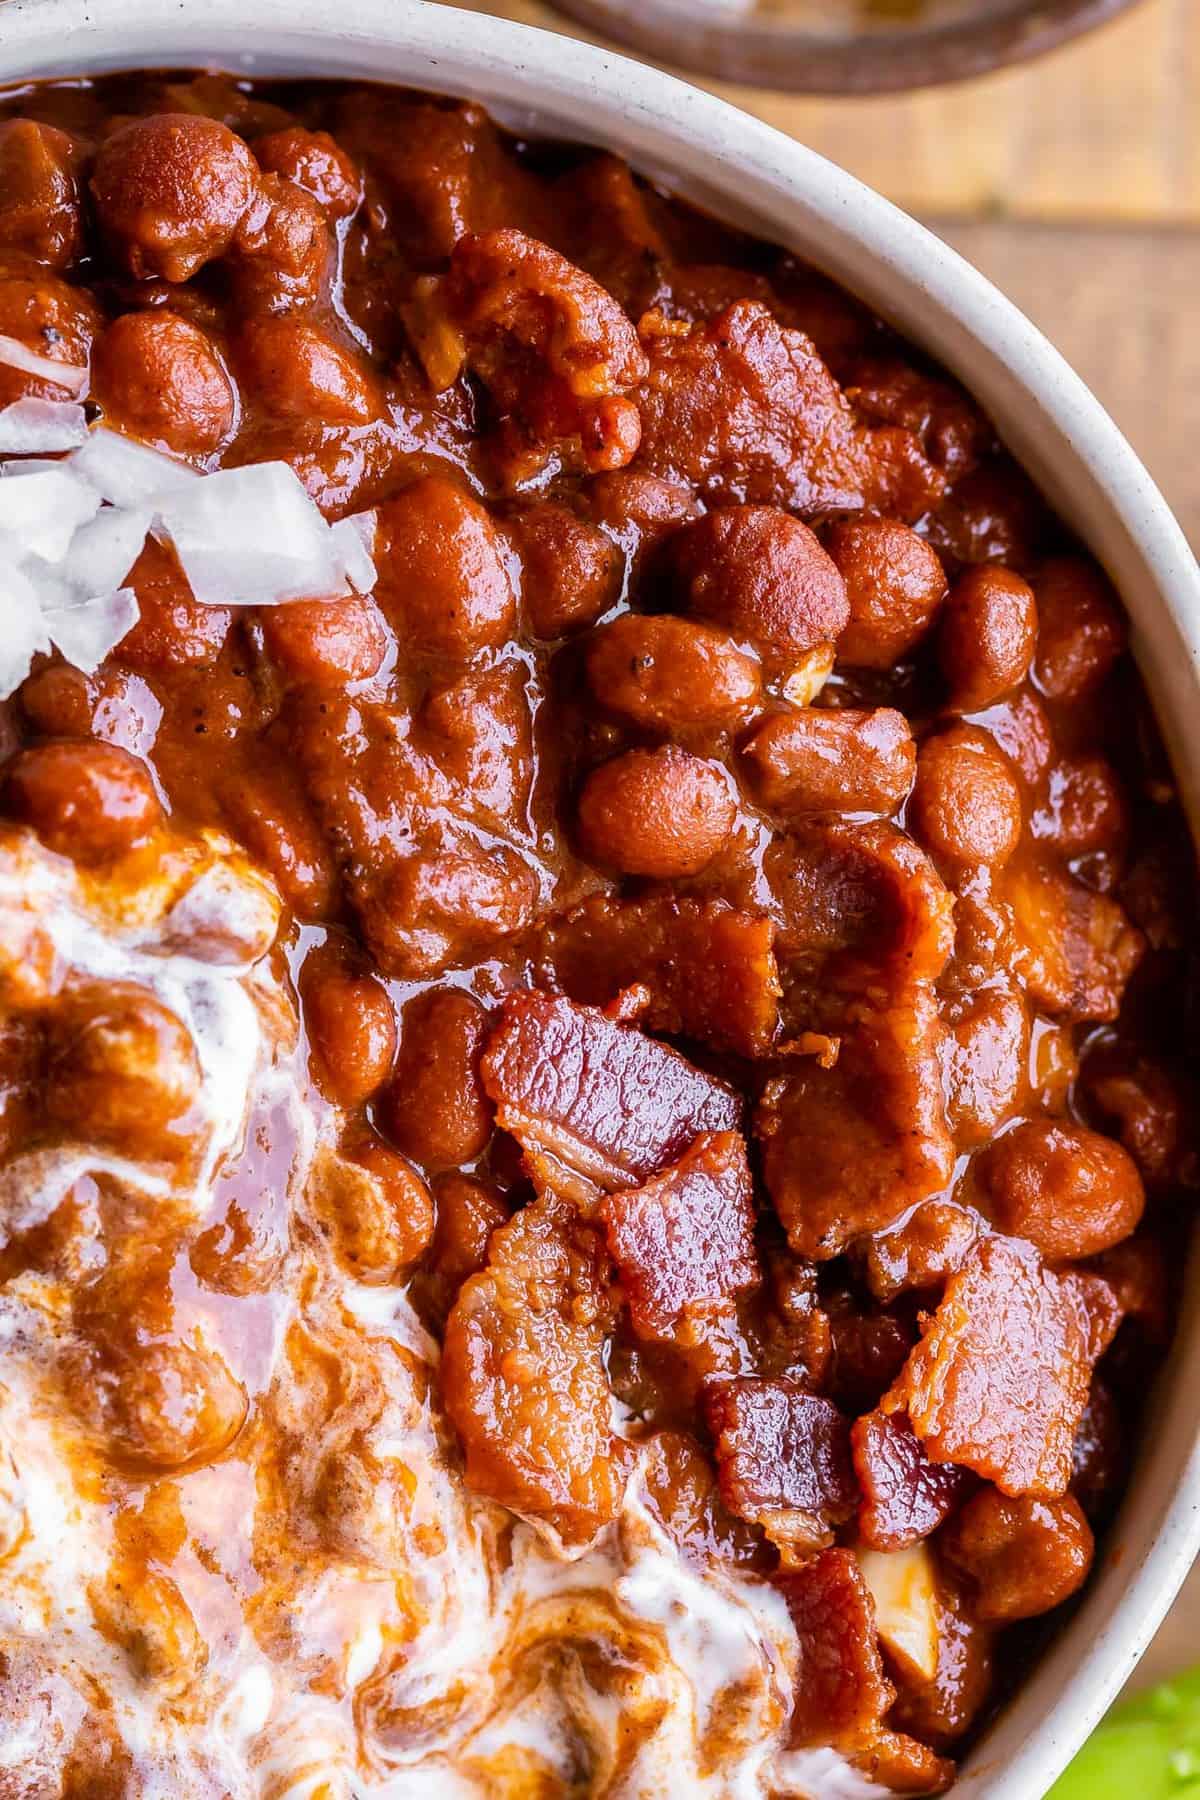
<point>717,156</point>
<point>797,61</point>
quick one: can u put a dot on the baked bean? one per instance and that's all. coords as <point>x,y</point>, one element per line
<point>572,572</point>
<point>375,1207</point>
<point>444,571</point>
<point>638,511</point>
<point>469,1210</point>
<point>160,378</point>
<point>87,800</point>
<point>171,1405</point>
<point>172,628</point>
<point>656,812</point>
<point>1021,727</point>
<point>436,908</point>
<point>170,192</point>
<point>819,759</point>
<point>966,804</point>
<point>987,636</point>
<point>54,320</point>
<point>1085,810</point>
<point>668,674</point>
<point>314,162</point>
<point>326,642</point>
<point>987,1062</point>
<point>761,574</point>
<point>296,370</point>
<point>1150,1107</point>
<point>351,1025</point>
<point>1023,1556</point>
<point>435,1106</point>
<point>1070,1191</point>
<point>894,586</point>
<point>123,1072</point>
<point>1081,630</point>
<point>281,251</point>
<point>39,193</point>
<point>268,812</point>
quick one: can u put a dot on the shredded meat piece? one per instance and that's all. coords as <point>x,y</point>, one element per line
<point>684,1242</point>
<point>1000,1379</point>
<point>846,1150</point>
<point>783,1457</point>
<point>709,969</point>
<point>600,1099</point>
<point>905,1496</point>
<point>1076,950</point>
<point>745,410</point>
<point>841,1690</point>
<point>523,1376</point>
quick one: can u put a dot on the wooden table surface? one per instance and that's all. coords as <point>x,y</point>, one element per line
<point>1074,183</point>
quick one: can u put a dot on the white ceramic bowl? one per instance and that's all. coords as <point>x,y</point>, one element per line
<point>744,171</point>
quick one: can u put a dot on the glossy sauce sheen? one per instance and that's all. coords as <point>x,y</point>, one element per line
<point>589,1144</point>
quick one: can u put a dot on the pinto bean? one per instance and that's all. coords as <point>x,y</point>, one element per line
<point>572,571</point>
<point>444,571</point>
<point>668,674</point>
<point>656,812</point>
<point>314,162</point>
<point>39,193</point>
<point>817,759</point>
<point>170,192</point>
<point>966,804</point>
<point>435,1106</point>
<point>123,1072</point>
<point>1070,1191</point>
<point>1023,1556</point>
<point>294,370</point>
<point>87,800</point>
<point>326,642</point>
<point>987,636</point>
<point>1082,630</point>
<point>160,378</point>
<point>761,574</point>
<point>894,586</point>
<point>351,1025</point>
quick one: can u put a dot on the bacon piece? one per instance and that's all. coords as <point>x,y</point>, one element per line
<point>523,1377</point>
<point>743,409</point>
<point>710,969</point>
<point>595,1098</point>
<point>847,1150</point>
<point>841,1692</point>
<point>1000,1379</point>
<point>684,1242</point>
<point>905,1496</point>
<point>783,1457</point>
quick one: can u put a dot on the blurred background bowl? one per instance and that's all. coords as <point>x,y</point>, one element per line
<point>841,46</point>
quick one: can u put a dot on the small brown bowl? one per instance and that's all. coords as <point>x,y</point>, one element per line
<point>868,47</point>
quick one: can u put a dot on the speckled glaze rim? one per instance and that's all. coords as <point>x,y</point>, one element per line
<point>705,40</point>
<point>743,170</point>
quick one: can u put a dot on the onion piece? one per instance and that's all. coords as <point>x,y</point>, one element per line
<point>86,631</point>
<point>354,541</point>
<point>252,537</point>
<point>40,512</point>
<point>24,630</point>
<point>103,551</point>
<point>71,376</point>
<point>127,473</point>
<point>36,427</point>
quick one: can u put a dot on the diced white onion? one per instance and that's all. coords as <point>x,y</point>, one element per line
<point>126,473</point>
<point>354,541</point>
<point>23,631</point>
<point>252,537</point>
<point>86,631</point>
<point>40,512</point>
<point>103,551</point>
<point>17,355</point>
<point>37,427</point>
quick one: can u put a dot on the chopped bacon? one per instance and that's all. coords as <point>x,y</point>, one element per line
<point>596,1098</point>
<point>841,1692</point>
<point>905,1496</point>
<point>1000,1379</point>
<point>847,1150</point>
<point>683,1243</point>
<point>743,409</point>
<point>709,969</point>
<point>783,1457</point>
<point>523,1377</point>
